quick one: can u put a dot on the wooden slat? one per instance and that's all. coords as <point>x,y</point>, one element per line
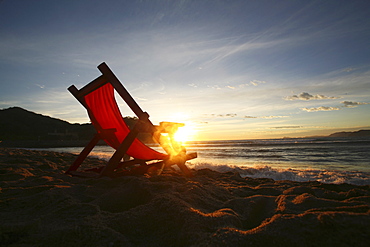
<point>114,161</point>
<point>84,153</point>
<point>121,90</point>
<point>92,86</point>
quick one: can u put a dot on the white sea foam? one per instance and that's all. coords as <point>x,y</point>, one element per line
<point>325,160</point>
<point>300,175</point>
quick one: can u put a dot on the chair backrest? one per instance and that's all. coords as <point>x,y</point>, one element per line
<point>104,114</point>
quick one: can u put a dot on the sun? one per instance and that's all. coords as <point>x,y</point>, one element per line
<point>184,134</point>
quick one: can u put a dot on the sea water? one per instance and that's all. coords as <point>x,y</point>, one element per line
<point>328,160</point>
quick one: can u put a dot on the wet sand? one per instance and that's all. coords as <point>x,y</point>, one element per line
<point>41,206</point>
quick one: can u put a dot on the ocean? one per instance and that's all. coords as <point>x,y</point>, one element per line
<point>327,160</point>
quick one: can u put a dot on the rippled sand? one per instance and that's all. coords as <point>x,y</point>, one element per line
<point>41,206</point>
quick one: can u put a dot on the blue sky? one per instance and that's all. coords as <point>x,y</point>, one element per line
<point>230,69</point>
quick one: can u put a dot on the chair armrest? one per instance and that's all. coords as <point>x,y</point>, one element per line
<point>169,127</point>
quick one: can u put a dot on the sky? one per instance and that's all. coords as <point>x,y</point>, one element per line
<point>229,69</point>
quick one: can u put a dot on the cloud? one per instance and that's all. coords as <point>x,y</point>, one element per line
<point>307,96</point>
<point>287,127</point>
<point>214,87</point>
<point>40,86</point>
<point>140,99</point>
<point>221,115</point>
<point>228,115</point>
<point>321,108</point>
<point>351,104</point>
<point>243,85</point>
<point>271,117</point>
<point>349,69</point>
<point>266,117</point>
<point>231,46</point>
<point>256,82</point>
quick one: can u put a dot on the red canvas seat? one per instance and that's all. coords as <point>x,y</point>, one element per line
<point>98,97</point>
<point>103,106</point>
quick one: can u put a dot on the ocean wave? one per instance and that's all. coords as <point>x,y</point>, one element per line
<point>266,171</point>
<point>299,175</point>
<point>325,164</point>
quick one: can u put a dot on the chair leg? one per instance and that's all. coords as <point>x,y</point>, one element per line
<point>119,153</point>
<point>84,153</point>
<point>184,169</point>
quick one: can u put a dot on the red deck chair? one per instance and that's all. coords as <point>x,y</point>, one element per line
<point>99,100</point>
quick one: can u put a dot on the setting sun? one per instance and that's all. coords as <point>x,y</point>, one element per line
<point>184,134</point>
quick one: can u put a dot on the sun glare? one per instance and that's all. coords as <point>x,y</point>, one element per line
<point>184,134</point>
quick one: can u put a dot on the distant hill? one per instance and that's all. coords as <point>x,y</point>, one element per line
<point>22,128</point>
<point>360,133</point>
<point>19,124</point>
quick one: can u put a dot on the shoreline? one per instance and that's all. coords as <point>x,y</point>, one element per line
<point>281,171</point>
<point>42,206</point>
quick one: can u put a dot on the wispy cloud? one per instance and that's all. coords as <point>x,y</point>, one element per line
<point>307,96</point>
<point>40,86</point>
<point>233,46</point>
<point>352,104</point>
<point>266,117</point>
<point>257,82</point>
<point>350,69</point>
<point>233,87</point>
<point>321,108</point>
<point>271,117</point>
<point>140,99</point>
<point>231,115</point>
<point>287,127</point>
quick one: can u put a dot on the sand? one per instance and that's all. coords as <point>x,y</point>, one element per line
<point>41,206</point>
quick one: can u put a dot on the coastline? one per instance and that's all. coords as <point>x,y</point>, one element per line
<point>41,206</point>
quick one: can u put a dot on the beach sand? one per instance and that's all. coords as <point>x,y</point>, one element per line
<point>41,206</point>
